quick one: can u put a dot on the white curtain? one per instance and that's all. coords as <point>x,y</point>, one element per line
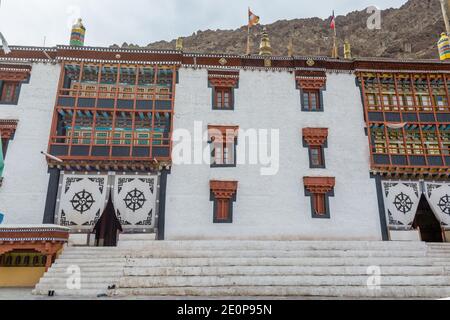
<point>401,200</point>
<point>134,199</point>
<point>438,196</point>
<point>81,201</point>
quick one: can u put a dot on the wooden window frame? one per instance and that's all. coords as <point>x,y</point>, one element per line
<point>316,139</point>
<point>423,106</point>
<point>220,105</point>
<point>148,97</point>
<point>319,189</point>
<point>14,77</point>
<point>311,84</point>
<point>320,156</point>
<point>223,194</point>
<point>223,81</point>
<point>225,136</point>
<point>310,107</point>
<point>7,132</point>
<point>15,92</point>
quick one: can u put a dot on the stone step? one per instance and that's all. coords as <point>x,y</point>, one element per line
<point>198,262</point>
<point>246,253</point>
<point>80,260</point>
<point>99,273</point>
<point>88,264</point>
<point>439,245</point>
<point>100,286</point>
<point>250,280</point>
<point>438,255</point>
<point>43,290</point>
<point>280,270</point>
<point>271,245</point>
<point>255,268</point>
<point>386,292</point>
<point>99,268</point>
<point>85,280</point>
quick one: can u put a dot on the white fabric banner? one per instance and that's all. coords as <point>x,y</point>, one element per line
<point>82,200</point>
<point>438,196</point>
<point>401,200</point>
<point>134,199</point>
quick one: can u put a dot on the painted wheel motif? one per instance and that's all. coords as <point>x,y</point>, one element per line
<point>403,203</point>
<point>82,201</point>
<point>444,204</point>
<point>135,200</point>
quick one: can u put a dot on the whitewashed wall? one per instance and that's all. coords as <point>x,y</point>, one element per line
<point>275,207</point>
<point>24,190</point>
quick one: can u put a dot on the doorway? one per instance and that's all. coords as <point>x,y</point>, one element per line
<point>108,227</point>
<point>429,226</point>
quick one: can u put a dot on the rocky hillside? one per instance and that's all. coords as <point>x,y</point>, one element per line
<point>408,32</point>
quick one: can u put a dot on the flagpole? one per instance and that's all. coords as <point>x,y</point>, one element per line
<point>248,39</point>
<point>335,53</point>
<point>248,33</point>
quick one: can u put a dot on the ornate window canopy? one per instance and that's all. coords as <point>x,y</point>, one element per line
<point>319,185</point>
<point>223,189</point>
<point>315,136</point>
<point>219,132</point>
<point>311,80</point>
<point>14,73</point>
<point>8,128</point>
<point>223,78</point>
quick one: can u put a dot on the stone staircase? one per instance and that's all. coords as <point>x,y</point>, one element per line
<point>256,269</point>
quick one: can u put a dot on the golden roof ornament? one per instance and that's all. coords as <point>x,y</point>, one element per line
<point>179,44</point>
<point>265,49</point>
<point>347,50</point>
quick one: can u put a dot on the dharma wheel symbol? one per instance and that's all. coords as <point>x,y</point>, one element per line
<point>403,203</point>
<point>82,201</point>
<point>444,204</point>
<point>135,200</point>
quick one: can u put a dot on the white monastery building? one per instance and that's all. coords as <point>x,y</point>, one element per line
<point>333,164</point>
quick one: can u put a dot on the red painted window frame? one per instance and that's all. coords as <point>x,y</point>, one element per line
<point>310,93</point>
<point>223,98</point>
<point>12,97</point>
<point>319,155</point>
<point>319,204</point>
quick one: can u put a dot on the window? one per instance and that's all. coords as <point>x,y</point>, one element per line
<point>316,156</point>
<point>311,100</point>
<point>319,189</point>
<point>223,141</point>
<point>223,194</point>
<point>371,99</point>
<point>7,131</point>
<point>319,204</point>
<point>315,139</point>
<point>9,92</point>
<point>311,85</point>
<point>223,98</point>
<point>223,83</point>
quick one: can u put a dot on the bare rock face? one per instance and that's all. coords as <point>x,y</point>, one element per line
<point>412,31</point>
